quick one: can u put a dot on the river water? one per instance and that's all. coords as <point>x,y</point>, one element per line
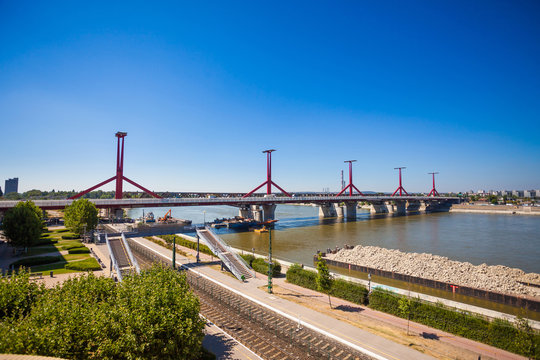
<point>494,239</point>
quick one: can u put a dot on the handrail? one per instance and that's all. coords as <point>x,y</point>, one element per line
<point>229,248</point>
<point>219,253</point>
<point>130,254</point>
<point>113,259</point>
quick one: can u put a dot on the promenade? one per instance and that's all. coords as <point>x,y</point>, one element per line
<point>379,333</point>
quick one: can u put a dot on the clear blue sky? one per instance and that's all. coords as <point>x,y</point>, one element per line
<point>203,87</point>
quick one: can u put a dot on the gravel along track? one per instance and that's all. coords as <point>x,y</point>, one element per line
<point>497,278</point>
<point>264,332</point>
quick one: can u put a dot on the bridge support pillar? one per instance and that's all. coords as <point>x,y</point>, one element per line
<point>390,207</point>
<point>327,210</point>
<point>340,211</point>
<point>351,210</point>
<point>437,206</point>
<point>401,208</point>
<point>380,208</point>
<point>413,206</point>
<point>245,212</point>
<point>256,212</point>
<point>269,212</point>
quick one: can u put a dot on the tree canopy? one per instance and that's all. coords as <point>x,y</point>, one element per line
<point>80,214</point>
<point>22,224</point>
<point>149,316</point>
<point>323,279</point>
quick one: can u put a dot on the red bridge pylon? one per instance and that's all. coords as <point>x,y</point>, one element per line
<point>400,188</point>
<point>119,174</point>
<point>268,181</point>
<point>433,192</point>
<point>351,185</point>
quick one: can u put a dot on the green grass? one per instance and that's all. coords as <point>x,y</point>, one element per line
<point>89,264</point>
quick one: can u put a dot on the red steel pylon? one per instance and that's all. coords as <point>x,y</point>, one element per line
<point>268,181</point>
<point>433,192</point>
<point>119,173</point>
<point>400,188</point>
<point>351,185</point>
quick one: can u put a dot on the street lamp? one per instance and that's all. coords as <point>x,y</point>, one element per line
<point>270,260</point>
<point>369,282</point>
<point>204,218</point>
<point>198,258</point>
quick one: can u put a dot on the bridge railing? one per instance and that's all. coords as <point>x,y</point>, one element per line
<point>113,259</point>
<point>130,255</point>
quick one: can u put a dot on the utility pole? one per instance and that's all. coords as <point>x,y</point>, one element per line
<point>174,253</point>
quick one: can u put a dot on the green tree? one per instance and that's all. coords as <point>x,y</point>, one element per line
<point>80,214</point>
<point>149,316</point>
<point>404,305</point>
<point>23,225</point>
<point>323,279</point>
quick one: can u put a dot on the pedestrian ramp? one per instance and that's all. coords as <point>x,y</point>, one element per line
<point>122,260</point>
<point>223,251</point>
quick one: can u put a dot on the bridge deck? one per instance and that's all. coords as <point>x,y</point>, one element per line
<point>232,201</point>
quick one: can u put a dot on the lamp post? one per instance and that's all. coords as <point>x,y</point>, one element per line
<point>204,218</point>
<point>198,258</point>
<point>270,260</point>
<point>369,283</point>
<point>174,253</point>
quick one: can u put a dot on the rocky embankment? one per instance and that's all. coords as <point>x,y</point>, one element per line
<point>488,277</point>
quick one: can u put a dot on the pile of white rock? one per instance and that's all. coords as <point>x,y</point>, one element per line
<point>488,277</point>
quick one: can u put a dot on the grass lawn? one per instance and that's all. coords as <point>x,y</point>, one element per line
<point>57,267</point>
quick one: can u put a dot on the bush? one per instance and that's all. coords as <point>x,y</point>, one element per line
<point>38,260</point>
<point>79,250</point>
<point>260,266</point>
<point>340,288</point>
<point>17,295</point>
<point>70,236</point>
<point>149,316</point>
<point>90,264</point>
<point>187,243</point>
<point>45,241</point>
<point>499,333</point>
<point>75,245</point>
<point>61,230</point>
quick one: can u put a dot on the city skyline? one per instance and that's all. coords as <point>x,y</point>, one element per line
<point>202,89</point>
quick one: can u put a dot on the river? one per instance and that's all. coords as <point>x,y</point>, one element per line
<point>494,239</point>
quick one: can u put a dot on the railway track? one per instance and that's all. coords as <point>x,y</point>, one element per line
<point>266,333</point>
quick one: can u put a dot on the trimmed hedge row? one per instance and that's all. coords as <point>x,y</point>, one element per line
<point>79,250</point>
<point>72,246</point>
<point>520,339</point>
<point>38,260</point>
<point>343,289</point>
<point>90,264</point>
<point>498,333</point>
<point>260,266</point>
<point>70,236</point>
<point>187,243</point>
<point>45,241</point>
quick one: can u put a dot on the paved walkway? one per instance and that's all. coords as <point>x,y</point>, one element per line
<point>252,288</point>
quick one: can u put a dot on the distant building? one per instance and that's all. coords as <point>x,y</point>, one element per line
<point>517,193</point>
<point>1,193</point>
<point>12,186</point>
<point>529,193</point>
<point>506,193</point>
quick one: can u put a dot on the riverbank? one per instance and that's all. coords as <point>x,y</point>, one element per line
<point>488,277</point>
<point>496,209</point>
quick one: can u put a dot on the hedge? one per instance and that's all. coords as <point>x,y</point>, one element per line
<point>90,264</point>
<point>70,236</point>
<point>519,339</point>
<point>260,266</point>
<point>343,289</point>
<point>79,250</point>
<point>187,243</point>
<point>45,241</point>
<point>38,260</point>
<point>72,246</point>
<point>498,333</point>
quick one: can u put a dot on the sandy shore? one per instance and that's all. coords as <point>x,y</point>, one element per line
<point>497,278</point>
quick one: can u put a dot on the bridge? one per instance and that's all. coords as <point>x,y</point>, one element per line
<point>254,205</point>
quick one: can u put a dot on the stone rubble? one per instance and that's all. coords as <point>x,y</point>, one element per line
<point>497,278</point>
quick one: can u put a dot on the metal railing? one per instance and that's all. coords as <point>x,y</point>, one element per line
<point>130,255</point>
<point>113,259</point>
<point>220,254</point>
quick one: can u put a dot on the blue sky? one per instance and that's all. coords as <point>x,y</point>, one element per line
<point>203,87</point>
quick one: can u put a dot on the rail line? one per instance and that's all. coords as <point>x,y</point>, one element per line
<point>266,333</point>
